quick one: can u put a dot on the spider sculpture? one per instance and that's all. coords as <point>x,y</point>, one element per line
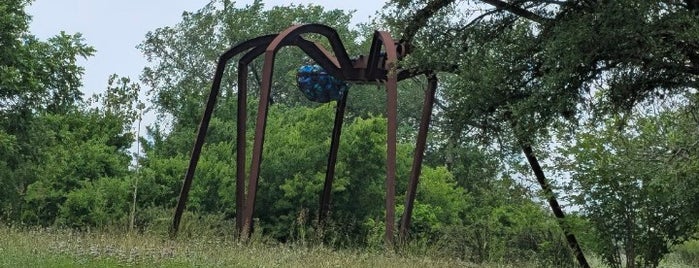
<point>379,67</point>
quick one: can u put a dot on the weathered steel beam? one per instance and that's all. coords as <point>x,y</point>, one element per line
<point>420,145</point>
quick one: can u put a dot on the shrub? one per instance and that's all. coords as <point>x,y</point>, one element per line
<point>688,253</point>
<point>96,204</point>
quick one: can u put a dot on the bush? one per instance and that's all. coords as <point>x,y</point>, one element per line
<point>100,203</point>
<point>688,253</point>
<point>158,220</point>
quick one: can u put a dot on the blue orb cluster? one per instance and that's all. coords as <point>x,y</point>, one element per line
<point>319,86</point>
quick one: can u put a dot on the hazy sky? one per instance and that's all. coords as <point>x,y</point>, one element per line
<point>114,28</point>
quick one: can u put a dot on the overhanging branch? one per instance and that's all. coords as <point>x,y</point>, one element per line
<point>516,10</point>
<point>421,17</point>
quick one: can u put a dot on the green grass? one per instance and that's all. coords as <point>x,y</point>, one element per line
<point>65,248</point>
<point>36,247</point>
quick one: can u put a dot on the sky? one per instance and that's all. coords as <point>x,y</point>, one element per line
<point>115,28</point>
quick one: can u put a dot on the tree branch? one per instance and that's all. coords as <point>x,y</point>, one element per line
<point>517,11</point>
<point>560,3</point>
<point>421,17</point>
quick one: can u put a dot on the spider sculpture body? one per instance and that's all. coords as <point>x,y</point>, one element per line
<point>378,67</point>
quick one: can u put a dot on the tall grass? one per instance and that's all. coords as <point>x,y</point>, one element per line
<point>65,248</point>
<point>49,247</point>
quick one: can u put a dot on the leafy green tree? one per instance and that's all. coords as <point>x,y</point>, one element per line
<point>62,160</point>
<point>636,185</point>
<point>75,148</point>
<point>571,46</point>
<point>183,55</point>
<point>524,66</point>
<point>52,141</point>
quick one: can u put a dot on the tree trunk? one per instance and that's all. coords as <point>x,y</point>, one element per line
<point>551,198</point>
<point>449,161</point>
<point>630,247</point>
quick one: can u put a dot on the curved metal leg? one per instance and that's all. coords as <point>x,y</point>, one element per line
<point>204,124</point>
<point>374,52</point>
<point>332,160</point>
<point>240,145</point>
<point>290,36</point>
<point>196,151</point>
<point>241,129</point>
<point>260,126</point>
<point>308,47</point>
<point>392,116</point>
<point>419,153</point>
<point>340,59</point>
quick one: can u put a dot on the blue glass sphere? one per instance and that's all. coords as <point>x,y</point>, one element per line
<point>319,86</point>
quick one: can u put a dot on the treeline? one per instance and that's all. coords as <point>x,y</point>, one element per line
<point>618,137</point>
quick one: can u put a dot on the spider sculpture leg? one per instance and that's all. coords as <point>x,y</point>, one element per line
<point>325,196</point>
<point>324,58</point>
<point>288,37</point>
<point>332,66</point>
<point>311,49</point>
<point>392,117</point>
<point>204,124</point>
<point>419,153</point>
<point>374,66</point>
<point>377,67</point>
<point>241,125</point>
<point>258,46</point>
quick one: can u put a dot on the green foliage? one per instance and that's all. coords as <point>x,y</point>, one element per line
<point>52,144</point>
<point>42,75</point>
<point>179,86</point>
<point>159,180</point>
<point>636,185</point>
<point>65,161</point>
<point>96,204</point>
<point>688,252</point>
<point>75,149</point>
<point>625,45</point>
<point>8,148</point>
<point>293,172</point>
<point>503,225</point>
<point>440,202</point>
<point>537,62</point>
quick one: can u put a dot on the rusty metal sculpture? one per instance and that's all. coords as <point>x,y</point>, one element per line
<point>380,66</point>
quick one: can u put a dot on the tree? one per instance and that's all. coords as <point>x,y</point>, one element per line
<point>184,55</point>
<point>536,60</point>
<point>74,150</point>
<point>530,64</point>
<point>636,185</point>
<point>43,117</point>
<point>64,160</point>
